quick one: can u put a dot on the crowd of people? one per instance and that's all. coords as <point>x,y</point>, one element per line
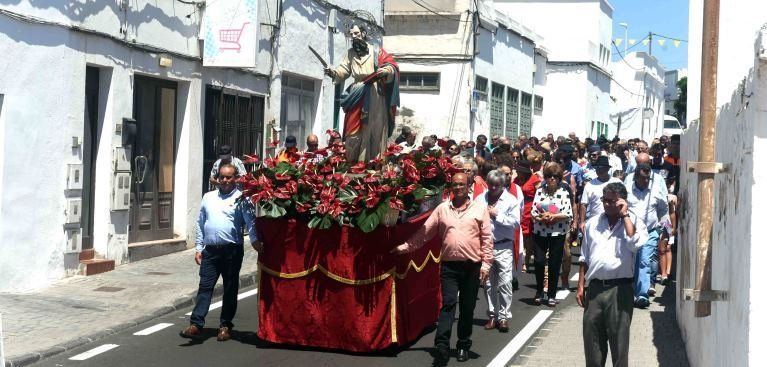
<point>516,206</point>
<point>542,197</point>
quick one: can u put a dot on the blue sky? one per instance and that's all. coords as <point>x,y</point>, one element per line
<point>666,17</point>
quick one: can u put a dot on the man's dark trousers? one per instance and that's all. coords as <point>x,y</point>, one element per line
<point>607,320</point>
<point>457,276</point>
<point>225,261</point>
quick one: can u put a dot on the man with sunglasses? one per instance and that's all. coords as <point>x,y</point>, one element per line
<point>220,251</point>
<point>610,242</point>
<point>589,171</point>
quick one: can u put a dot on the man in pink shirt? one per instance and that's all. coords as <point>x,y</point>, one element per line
<point>467,254</point>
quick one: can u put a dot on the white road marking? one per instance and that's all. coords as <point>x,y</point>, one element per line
<point>562,294</point>
<point>575,277</point>
<point>240,296</point>
<point>153,329</point>
<point>94,352</point>
<point>520,339</point>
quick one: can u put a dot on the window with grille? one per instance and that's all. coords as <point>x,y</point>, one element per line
<point>297,108</point>
<point>231,119</point>
<point>538,105</point>
<point>526,114</point>
<point>496,109</point>
<point>419,81</point>
<point>480,85</point>
<point>512,112</point>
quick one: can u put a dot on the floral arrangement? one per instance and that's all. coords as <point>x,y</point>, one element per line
<point>323,188</point>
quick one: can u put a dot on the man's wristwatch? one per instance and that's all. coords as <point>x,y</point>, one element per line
<point>625,216</point>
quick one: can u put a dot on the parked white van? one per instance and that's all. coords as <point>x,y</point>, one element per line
<point>671,126</point>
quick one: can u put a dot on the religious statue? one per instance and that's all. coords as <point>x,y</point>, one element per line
<point>370,102</point>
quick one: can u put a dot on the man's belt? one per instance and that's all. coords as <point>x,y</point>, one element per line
<point>502,241</point>
<point>611,282</point>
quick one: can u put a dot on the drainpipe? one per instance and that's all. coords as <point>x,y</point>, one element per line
<point>706,167</point>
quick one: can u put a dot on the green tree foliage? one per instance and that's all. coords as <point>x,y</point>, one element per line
<point>680,105</point>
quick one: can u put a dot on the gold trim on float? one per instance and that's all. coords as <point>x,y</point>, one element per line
<point>393,310</point>
<point>338,278</point>
<point>392,273</point>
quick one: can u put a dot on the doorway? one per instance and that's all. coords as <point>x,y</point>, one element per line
<point>90,148</point>
<point>153,160</point>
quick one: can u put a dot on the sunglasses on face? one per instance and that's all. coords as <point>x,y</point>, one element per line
<point>550,176</point>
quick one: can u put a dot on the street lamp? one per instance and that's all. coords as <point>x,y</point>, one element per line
<point>626,36</point>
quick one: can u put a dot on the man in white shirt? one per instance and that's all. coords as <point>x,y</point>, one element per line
<point>591,200</point>
<point>655,179</point>
<point>650,205</point>
<point>409,143</point>
<point>505,212</point>
<point>610,242</point>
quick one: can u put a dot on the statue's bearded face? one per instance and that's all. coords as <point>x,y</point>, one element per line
<point>356,33</point>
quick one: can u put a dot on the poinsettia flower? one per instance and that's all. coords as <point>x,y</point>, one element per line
<point>251,159</point>
<point>281,176</point>
<point>430,172</point>
<point>385,188</point>
<point>303,207</point>
<point>407,189</point>
<point>442,143</point>
<point>358,168</point>
<point>392,149</point>
<point>371,200</point>
<point>371,179</point>
<point>396,203</point>
<point>389,174</point>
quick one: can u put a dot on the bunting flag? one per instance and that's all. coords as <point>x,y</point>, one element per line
<point>632,42</point>
<point>646,42</point>
<point>661,42</point>
<point>677,43</point>
<point>618,41</point>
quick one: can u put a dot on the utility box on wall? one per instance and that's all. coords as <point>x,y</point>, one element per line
<point>75,177</point>
<point>121,191</point>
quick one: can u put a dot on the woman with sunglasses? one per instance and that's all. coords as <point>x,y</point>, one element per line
<point>552,215</point>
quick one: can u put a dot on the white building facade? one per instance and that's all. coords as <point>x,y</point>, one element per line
<point>465,71</point>
<point>78,182</point>
<point>578,37</point>
<point>638,95</point>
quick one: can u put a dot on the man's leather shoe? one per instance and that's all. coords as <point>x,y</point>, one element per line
<point>191,332</point>
<point>503,326</point>
<point>490,324</point>
<point>463,355</point>
<point>224,334</point>
<point>514,284</point>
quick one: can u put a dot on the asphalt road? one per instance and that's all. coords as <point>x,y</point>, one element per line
<point>164,347</point>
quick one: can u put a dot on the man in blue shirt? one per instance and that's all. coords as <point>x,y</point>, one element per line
<point>220,251</point>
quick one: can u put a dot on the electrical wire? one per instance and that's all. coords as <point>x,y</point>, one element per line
<point>436,11</point>
<point>667,37</point>
<point>624,60</point>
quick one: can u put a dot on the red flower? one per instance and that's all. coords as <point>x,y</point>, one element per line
<point>251,159</point>
<point>372,199</point>
<point>392,149</point>
<point>281,177</point>
<point>358,168</point>
<point>390,174</point>
<point>395,203</point>
<point>274,143</point>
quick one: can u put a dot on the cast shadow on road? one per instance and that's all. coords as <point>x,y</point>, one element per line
<point>205,334</point>
<point>666,335</point>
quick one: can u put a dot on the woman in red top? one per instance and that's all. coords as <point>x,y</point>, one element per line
<point>529,183</point>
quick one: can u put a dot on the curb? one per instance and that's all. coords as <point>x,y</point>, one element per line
<point>181,303</point>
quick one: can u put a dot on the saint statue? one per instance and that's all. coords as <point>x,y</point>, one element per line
<point>370,102</point>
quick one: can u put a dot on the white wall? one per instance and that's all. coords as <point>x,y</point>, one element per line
<point>734,334</point>
<point>566,101</point>
<point>637,84</point>
<point>587,22</point>
<point>43,110</point>
<point>445,113</point>
<point>504,58</point>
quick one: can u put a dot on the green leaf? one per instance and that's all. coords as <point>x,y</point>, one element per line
<point>326,222</point>
<point>368,220</point>
<point>383,208</point>
<point>276,211</point>
<point>314,222</point>
<point>420,193</point>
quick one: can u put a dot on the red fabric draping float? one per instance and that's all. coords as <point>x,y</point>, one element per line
<point>340,288</point>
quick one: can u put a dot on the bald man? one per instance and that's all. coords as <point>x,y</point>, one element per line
<point>467,255</point>
<point>312,143</point>
<point>655,178</point>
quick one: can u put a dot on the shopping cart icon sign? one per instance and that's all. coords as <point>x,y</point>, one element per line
<point>231,37</point>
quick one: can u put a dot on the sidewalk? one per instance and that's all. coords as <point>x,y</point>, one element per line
<point>655,337</point>
<point>79,310</point>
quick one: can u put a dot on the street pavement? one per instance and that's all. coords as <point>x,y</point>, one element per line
<point>94,321</point>
<point>163,346</point>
